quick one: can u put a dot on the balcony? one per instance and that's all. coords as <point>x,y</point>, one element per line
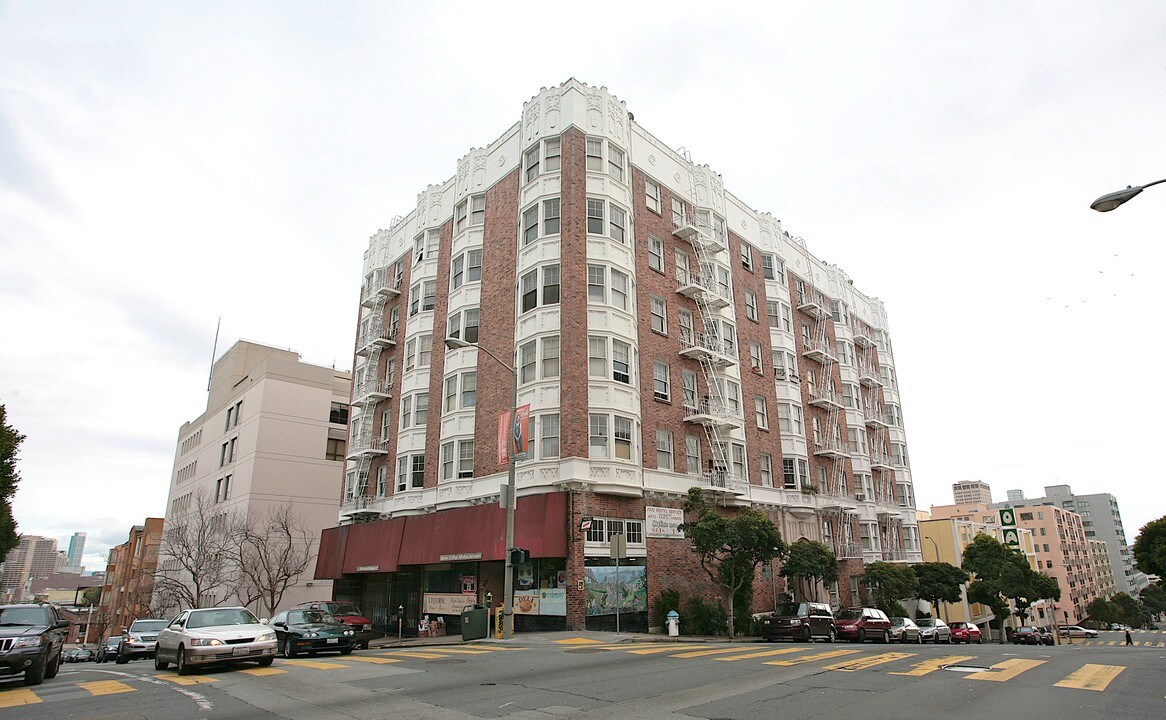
<point>700,287</point>
<point>831,448</point>
<point>823,398</point>
<point>847,551</point>
<point>697,233</point>
<point>712,413</point>
<point>868,377</point>
<point>880,460</point>
<point>374,339</point>
<point>379,288</point>
<point>875,419</point>
<point>814,304</point>
<point>863,336</point>
<point>372,391</point>
<point>699,346</point>
<point>724,482</point>
<point>364,445</point>
<point>820,352</point>
<point>358,509</point>
<point>390,289</point>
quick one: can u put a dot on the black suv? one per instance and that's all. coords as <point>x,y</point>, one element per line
<point>31,640</point>
<point>800,621</point>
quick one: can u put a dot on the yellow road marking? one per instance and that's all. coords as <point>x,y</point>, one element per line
<point>1006,670</point>
<point>263,671</point>
<point>930,666</point>
<point>872,661</point>
<point>810,658</point>
<point>763,653</point>
<point>186,679</point>
<point>375,660</point>
<point>1091,677</point>
<point>668,648</point>
<point>18,696</point>
<point>578,641</point>
<point>465,651</point>
<point>703,653</point>
<point>317,664</point>
<point>416,654</point>
<point>106,687</point>
<point>662,646</point>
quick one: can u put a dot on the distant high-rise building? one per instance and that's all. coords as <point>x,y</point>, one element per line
<point>1015,496</point>
<point>971,491</point>
<point>76,549</point>
<point>35,557</point>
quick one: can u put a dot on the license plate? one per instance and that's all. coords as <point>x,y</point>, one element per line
<point>241,651</point>
<point>333,641</point>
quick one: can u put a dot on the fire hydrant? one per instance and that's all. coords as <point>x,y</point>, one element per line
<point>673,623</point>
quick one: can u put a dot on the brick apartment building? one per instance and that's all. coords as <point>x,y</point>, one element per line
<point>129,579</point>
<point>664,334</point>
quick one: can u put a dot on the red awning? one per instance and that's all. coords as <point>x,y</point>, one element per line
<point>373,547</point>
<point>478,533</point>
<point>331,555</point>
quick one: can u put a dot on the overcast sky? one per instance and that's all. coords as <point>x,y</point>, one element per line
<point>165,164</point>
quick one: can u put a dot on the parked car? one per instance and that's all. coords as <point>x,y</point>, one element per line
<point>904,630</point>
<point>32,640</point>
<point>966,632</point>
<point>139,640</point>
<point>1028,635</point>
<point>800,621</point>
<point>347,613</point>
<point>1076,631</point>
<point>1119,627</point>
<point>73,655</point>
<point>933,630</point>
<point>862,624</point>
<point>208,636</point>
<point>108,649</point>
<point>311,631</point>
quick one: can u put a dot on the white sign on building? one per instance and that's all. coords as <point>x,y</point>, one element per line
<point>663,522</point>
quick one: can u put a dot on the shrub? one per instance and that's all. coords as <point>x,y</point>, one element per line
<point>699,618</point>
<point>665,601</point>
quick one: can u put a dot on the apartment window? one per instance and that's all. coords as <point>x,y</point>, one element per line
<point>472,209</point>
<point>550,359</point>
<point>335,450</point>
<point>530,225</point>
<point>451,384</point>
<point>402,473</point>
<point>755,356</point>
<point>766,462</point>
<point>424,350</point>
<point>789,418</point>
<point>655,253</point>
<point>687,328</point>
<point>551,216</point>
<point>851,397</point>
<point>659,315</point>
<point>688,383</point>
<point>615,226</point>
<point>382,480</point>
<point>465,458</point>
<point>619,290</point>
<point>595,149</point>
<point>663,450</point>
<point>661,385</point>
<point>652,196</point>
<point>447,450</point>
<point>231,450</point>
<point>552,154</point>
<point>845,353</point>
<point>531,162</point>
<point>464,323</point>
<point>549,435</point>
<point>338,414</point>
<point>737,457</point>
<point>768,271</point>
<point>776,268</point>
<point>469,392</point>
<point>615,162</point>
<point>621,361</point>
<point>386,424</point>
<point>678,214</point>
<point>692,454</point>
<point>778,314</point>
<point>406,411</point>
<point>527,358</point>
<point>597,357</point>
<point>394,320</point>
<point>894,415</point>
<point>751,306</point>
<point>596,284</point>
<point>417,470</point>
<point>747,256</point>
<point>223,489</point>
<point>410,354</point>
<point>594,152</point>
<point>623,438</point>
<point>795,472</point>
<point>466,268</point>
<point>230,413</point>
<point>762,412</point>
<point>597,435</point>
<point>530,288</point>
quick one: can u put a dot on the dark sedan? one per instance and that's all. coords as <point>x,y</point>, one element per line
<point>1028,635</point>
<point>311,631</point>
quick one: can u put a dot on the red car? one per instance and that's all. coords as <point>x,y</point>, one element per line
<point>965,633</point>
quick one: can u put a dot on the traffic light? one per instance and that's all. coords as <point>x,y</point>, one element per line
<point>519,555</point>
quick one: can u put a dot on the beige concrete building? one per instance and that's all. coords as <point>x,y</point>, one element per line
<point>971,491</point>
<point>1103,568</point>
<point>35,557</point>
<point>274,433</point>
<point>1062,552</point>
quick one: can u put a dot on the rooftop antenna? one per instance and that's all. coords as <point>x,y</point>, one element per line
<point>214,349</point>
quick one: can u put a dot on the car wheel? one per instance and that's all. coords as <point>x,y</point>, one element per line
<point>886,637</point>
<point>832,636</point>
<point>159,663</point>
<point>980,640</point>
<point>949,639</point>
<point>266,662</point>
<point>35,674</point>
<point>289,650</point>
<point>861,635</point>
<point>182,666</point>
<point>807,636</point>
<point>121,659</point>
<point>362,646</point>
<point>346,651</point>
<point>52,668</point>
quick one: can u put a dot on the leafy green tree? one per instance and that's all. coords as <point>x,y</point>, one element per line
<point>730,547</point>
<point>1100,611</point>
<point>1002,574</point>
<point>10,441</point>
<point>1154,598</point>
<point>1127,611</point>
<point>1150,548</point>
<point>889,583</point>
<point>938,582</point>
<point>810,562</point>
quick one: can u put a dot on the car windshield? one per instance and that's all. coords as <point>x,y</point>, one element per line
<point>214,618</point>
<point>958,624</point>
<point>925,622</point>
<point>791,609</point>
<point>23,616</point>
<point>898,621</point>
<point>342,608</point>
<point>148,625</point>
<point>850,615</point>
<point>308,617</point>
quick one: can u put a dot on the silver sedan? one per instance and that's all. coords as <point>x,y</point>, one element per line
<point>208,636</point>
<point>904,630</point>
<point>933,630</point>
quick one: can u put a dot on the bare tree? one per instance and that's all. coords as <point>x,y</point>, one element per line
<point>274,550</point>
<point>196,565</point>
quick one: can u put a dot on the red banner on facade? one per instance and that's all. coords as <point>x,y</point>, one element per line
<point>514,437</point>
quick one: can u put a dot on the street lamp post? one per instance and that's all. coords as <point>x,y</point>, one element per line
<point>1105,203</point>
<point>511,494</point>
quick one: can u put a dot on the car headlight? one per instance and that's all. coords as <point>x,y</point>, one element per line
<point>368,626</point>
<point>199,642</point>
<point>764,622</point>
<point>265,637</point>
<point>27,641</point>
<point>349,632</point>
<point>795,622</point>
<point>309,634</point>
<point>135,638</point>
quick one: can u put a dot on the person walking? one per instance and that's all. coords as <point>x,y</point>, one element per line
<point>1129,640</point>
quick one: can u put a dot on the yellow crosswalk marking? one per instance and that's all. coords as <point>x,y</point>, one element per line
<point>930,666</point>
<point>106,687</point>
<point>763,653</point>
<point>186,679</point>
<point>705,653</point>
<point>317,664</point>
<point>263,671</point>
<point>665,649</point>
<point>869,662</point>
<point>578,641</point>
<point>464,651</point>
<point>415,654</point>
<point>1006,670</point>
<point>375,660</point>
<point>18,696</point>
<point>637,646</point>
<point>810,658</point>
<point>1091,677</point>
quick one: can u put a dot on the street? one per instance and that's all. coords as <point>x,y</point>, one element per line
<point>589,675</point>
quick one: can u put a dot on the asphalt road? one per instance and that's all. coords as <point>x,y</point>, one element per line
<point>588,675</point>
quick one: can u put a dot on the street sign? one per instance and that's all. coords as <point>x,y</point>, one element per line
<point>1012,537</point>
<point>619,546</point>
<point>585,524</point>
<point>1008,517</point>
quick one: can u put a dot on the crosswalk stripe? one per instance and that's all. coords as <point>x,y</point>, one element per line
<point>1091,677</point>
<point>186,679</point>
<point>1006,670</point>
<point>810,658</point>
<point>930,666</point>
<point>18,696</point>
<point>259,672</point>
<point>105,687</point>
<point>704,653</point>
<point>465,651</point>
<point>869,662</point>
<point>640,646</point>
<point>374,660</point>
<point>666,649</point>
<point>578,641</point>
<point>415,654</point>
<point>317,664</point>
<point>763,653</point>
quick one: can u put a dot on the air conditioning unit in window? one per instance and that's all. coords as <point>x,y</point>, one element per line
<point>779,373</point>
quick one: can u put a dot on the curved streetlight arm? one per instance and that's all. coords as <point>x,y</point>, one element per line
<point>1105,203</point>
<point>458,344</point>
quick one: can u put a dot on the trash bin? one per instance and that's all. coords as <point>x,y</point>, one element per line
<point>475,622</point>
